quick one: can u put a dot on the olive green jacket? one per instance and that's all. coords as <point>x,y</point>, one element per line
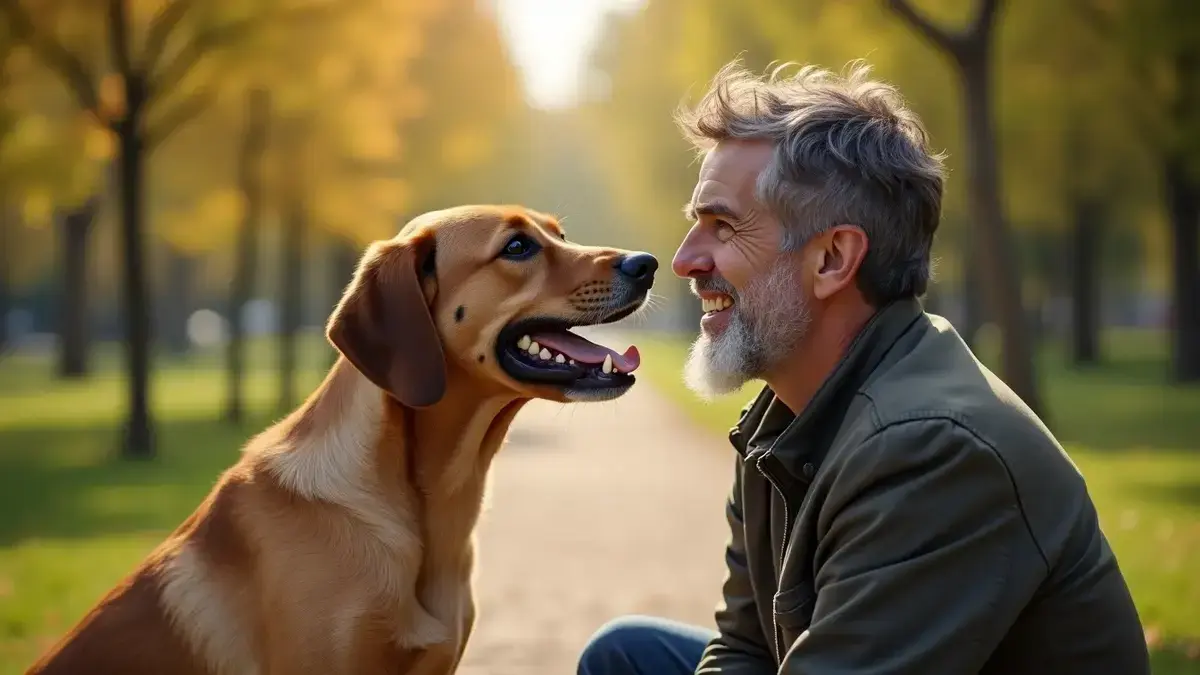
<point>916,518</point>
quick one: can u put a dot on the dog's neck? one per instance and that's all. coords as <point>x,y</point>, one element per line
<point>350,433</point>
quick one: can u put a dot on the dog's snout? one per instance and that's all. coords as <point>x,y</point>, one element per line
<point>639,267</point>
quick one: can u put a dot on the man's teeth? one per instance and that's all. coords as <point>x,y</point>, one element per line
<point>716,304</point>
<point>527,344</point>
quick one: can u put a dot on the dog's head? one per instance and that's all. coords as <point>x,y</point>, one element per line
<point>489,293</point>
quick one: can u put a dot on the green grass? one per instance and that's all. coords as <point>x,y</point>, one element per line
<point>73,520</point>
<point>1137,442</point>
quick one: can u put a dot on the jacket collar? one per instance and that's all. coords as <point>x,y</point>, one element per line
<point>768,426</point>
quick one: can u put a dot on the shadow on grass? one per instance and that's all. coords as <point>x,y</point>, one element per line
<point>66,483</point>
<point>1175,660</point>
<point>1185,494</point>
<point>1123,403</point>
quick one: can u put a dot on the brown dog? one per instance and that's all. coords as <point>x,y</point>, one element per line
<point>342,541</point>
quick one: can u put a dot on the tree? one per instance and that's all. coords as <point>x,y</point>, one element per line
<point>1161,57</point>
<point>151,93</point>
<point>1091,170</point>
<point>971,53</point>
<point>249,178</point>
<point>51,156</point>
<point>7,124</point>
<point>76,225</point>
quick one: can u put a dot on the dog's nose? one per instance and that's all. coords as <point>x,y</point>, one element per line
<point>638,267</point>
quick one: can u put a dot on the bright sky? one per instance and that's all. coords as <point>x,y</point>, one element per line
<point>550,41</point>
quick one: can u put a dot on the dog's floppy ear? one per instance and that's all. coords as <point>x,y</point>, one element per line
<point>383,326</point>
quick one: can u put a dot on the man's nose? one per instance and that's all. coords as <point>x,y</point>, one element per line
<point>693,258</point>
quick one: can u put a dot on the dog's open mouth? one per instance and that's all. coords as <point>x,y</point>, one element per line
<point>545,351</point>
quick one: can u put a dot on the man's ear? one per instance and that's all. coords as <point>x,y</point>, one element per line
<point>383,325</point>
<point>839,253</point>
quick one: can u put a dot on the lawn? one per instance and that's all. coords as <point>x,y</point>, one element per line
<point>1137,442</point>
<point>73,520</point>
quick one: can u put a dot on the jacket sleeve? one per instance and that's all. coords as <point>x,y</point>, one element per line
<point>740,645</point>
<point>924,557</point>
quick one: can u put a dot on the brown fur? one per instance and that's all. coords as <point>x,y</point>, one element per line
<point>342,541</point>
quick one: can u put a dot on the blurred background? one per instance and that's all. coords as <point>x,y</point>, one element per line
<point>185,186</point>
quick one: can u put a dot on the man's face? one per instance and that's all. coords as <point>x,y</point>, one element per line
<point>755,304</point>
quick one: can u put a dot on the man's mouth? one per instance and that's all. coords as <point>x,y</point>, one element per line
<point>712,304</point>
<point>545,351</point>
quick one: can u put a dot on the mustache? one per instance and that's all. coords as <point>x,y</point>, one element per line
<point>712,283</point>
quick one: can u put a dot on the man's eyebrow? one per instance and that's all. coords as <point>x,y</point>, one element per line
<point>694,211</point>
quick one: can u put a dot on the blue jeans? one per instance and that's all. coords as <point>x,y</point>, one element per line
<point>643,645</point>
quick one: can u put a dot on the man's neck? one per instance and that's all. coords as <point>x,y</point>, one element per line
<point>796,380</point>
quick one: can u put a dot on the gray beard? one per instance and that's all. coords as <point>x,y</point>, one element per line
<point>768,320</point>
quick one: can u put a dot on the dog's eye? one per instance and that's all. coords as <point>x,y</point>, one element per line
<point>519,247</point>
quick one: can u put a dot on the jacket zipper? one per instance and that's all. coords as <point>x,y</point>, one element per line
<point>782,548</point>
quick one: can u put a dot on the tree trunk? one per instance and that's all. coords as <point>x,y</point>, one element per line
<point>1183,212</point>
<point>993,245</point>
<point>254,145</point>
<point>139,430</point>
<point>179,299</point>
<point>1087,230</point>
<point>6,247</point>
<point>73,305</point>
<point>974,309</point>
<point>292,296</point>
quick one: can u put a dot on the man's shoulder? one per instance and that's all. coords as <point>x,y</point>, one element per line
<point>935,402</point>
<point>938,380</point>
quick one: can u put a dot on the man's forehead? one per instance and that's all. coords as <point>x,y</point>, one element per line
<point>728,176</point>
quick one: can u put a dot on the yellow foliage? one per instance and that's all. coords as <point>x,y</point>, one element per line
<point>204,225</point>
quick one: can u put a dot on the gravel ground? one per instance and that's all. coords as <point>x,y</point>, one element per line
<point>595,511</point>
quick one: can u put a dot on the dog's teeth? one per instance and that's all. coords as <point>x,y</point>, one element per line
<point>607,367</point>
<point>533,348</point>
<point>544,354</point>
<point>560,359</point>
<point>524,342</point>
<point>572,362</point>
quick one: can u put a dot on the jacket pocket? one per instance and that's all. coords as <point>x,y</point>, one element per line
<point>793,609</point>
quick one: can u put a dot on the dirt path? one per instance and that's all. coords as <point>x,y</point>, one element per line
<point>596,510</point>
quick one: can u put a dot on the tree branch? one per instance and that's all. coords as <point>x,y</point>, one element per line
<point>163,78</point>
<point>175,117</point>
<point>160,31</point>
<point>118,39</point>
<point>170,75</point>
<point>54,56</point>
<point>984,18</point>
<point>940,38</point>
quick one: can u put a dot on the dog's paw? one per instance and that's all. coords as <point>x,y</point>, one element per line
<point>422,630</point>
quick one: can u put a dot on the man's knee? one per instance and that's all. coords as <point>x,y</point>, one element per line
<point>632,645</point>
<point>614,648</point>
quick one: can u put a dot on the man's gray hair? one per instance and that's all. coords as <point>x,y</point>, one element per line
<point>847,151</point>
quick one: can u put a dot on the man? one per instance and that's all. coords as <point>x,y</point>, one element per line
<point>895,507</point>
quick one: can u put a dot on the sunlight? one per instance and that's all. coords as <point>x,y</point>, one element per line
<point>550,41</point>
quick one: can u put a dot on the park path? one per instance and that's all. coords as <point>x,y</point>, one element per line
<point>596,510</point>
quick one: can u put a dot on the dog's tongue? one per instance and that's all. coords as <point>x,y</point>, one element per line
<point>585,351</point>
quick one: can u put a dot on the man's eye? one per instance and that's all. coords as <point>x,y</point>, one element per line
<point>521,246</point>
<point>724,230</point>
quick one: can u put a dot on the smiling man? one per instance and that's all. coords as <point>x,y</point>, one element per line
<point>895,507</point>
